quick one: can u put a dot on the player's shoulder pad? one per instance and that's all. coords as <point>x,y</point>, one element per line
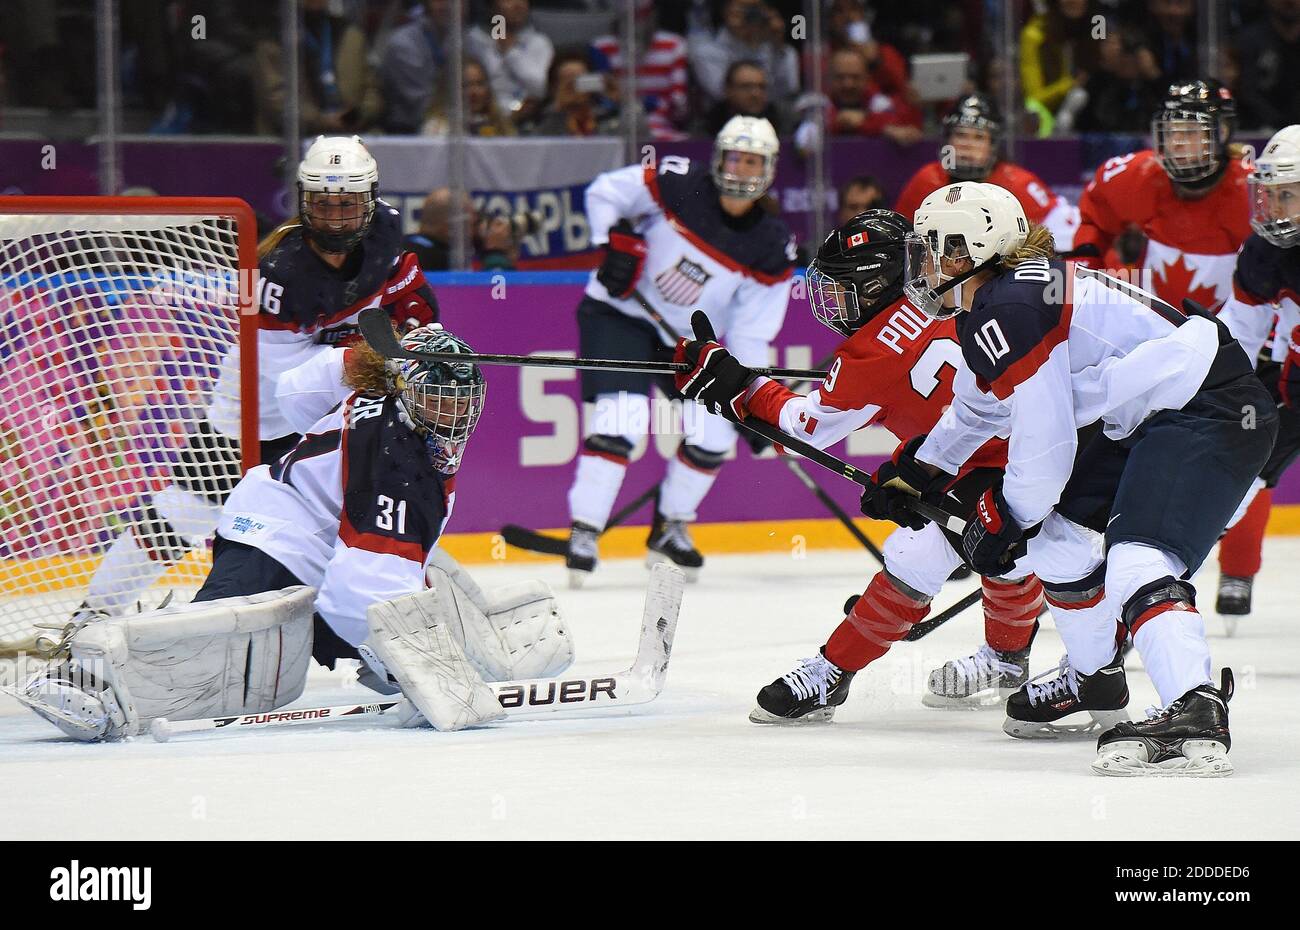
<point>1265,273</point>
<point>1012,328</point>
<point>386,465</point>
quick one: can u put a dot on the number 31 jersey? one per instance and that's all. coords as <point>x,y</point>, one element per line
<point>355,509</point>
<point>898,371</point>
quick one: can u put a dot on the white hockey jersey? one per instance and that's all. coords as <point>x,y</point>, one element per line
<point>1265,298</point>
<point>355,509</point>
<point>1056,347</point>
<point>737,270</point>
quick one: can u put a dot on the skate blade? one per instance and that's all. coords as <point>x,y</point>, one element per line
<point>1230,622</point>
<point>1200,759</point>
<point>988,699</point>
<point>652,558</point>
<point>821,715</point>
<point>577,578</point>
<point>1082,728</point>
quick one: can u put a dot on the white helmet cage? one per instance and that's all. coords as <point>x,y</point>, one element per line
<point>338,186</point>
<point>970,219</point>
<point>745,134</point>
<point>1274,189</point>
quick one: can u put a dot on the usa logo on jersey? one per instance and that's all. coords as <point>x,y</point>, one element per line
<point>682,283</point>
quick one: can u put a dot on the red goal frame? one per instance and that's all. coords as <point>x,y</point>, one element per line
<point>246,228</point>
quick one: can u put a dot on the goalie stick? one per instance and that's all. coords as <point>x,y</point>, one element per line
<point>377,329</point>
<point>523,699</point>
<point>523,538</point>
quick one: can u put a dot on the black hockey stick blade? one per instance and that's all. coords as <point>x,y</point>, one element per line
<point>524,538</point>
<point>377,329</point>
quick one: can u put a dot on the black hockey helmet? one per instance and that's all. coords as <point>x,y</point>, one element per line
<point>858,270</point>
<point>974,111</point>
<point>1191,130</point>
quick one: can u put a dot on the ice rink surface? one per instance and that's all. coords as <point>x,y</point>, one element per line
<point>690,765</point>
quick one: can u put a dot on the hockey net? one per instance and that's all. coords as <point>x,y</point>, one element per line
<point>120,369</point>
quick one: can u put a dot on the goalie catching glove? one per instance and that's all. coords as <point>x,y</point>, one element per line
<point>716,379</point>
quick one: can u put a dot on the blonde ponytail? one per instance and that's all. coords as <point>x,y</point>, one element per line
<point>367,372</point>
<point>1038,244</point>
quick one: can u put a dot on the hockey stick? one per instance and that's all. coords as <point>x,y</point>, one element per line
<point>523,699</point>
<point>926,627</point>
<point>523,538</point>
<point>377,330</point>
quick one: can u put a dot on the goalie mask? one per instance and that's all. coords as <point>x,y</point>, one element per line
<point>974,222</point>
<point>858,270</point>
<point>1274,190</point>
<point>1190,132</point>
<point>338,184</point>
<point>745,134</point>
<point>972,135</point>
<point>442,399</point>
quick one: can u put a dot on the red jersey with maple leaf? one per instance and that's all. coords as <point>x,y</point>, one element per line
<point>898,371</point>
<point>1191,244</point>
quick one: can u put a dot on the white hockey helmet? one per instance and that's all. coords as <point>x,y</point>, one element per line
<point>1274,189</point>
<point>338,185</point>
<point>745,134</point>
<point>971,220</point>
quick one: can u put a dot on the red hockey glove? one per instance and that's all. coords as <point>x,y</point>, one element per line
<point>1288,383</point>
<point>407,297</point>
<point>624,258</point>
<point>716,379</point>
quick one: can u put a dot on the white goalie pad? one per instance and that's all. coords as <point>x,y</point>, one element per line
<point>236,655</point>
<point>512,632</point>
<point>417,649</point>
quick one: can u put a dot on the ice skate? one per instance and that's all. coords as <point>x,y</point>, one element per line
<point>1233,601</point>
<point>670,541</point>
<point>808,694</point>
<point>1064,703</point>
<point>977,682</point>
<point>581,557</point>
<point>1189,738</point>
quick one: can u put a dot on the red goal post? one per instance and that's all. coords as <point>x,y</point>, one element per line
<point>128,325</point>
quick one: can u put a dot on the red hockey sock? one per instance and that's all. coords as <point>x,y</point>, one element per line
<point>880,618</point>
<point>1010,611</point>
<point>1241,549</point>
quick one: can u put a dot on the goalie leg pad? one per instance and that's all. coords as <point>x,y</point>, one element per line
<point>418,649</point>
<point>236,655</point>
<point>510,633</point>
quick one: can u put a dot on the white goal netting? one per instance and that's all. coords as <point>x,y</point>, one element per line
<point>113,331</point>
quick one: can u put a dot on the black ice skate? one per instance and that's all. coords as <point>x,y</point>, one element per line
<point>809,694</point>
<point>581,557</point>
<point>670,541</point>
<point>1190,738</point>
<point>1064,703</point>
<point>1233,601</point>
<point>979,681</point>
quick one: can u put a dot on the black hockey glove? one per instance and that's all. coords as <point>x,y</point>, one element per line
<point>716,379</point>
<point>624,258</point>
<point>895,483</point>
<point>991,535</point>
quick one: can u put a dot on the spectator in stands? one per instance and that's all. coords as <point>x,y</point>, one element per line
<point>1268,95</point>
<point>1126,89</point>
<point>1169,30</point>
<point>859,106</point>
<point>661,71</point>
<point>1058,53</point>
<point>491,239</point>
<point>338,91</point>
<point>857,195</point>
<point>412,62</point>
<point>848,27</point>
<point>744,94</point>
<point>482,115</point>
<point>577,103</point>
<point>751,31</point>
<point>516,55</point>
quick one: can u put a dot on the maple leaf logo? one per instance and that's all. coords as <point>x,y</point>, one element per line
<point>1173,282</point>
